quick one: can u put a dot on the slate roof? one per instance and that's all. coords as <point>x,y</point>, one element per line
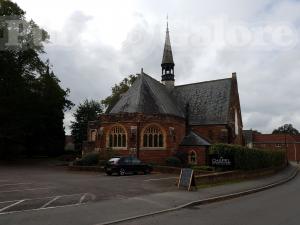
<point>147,96</point>
<point>209,101</point>
<point>193,139</point>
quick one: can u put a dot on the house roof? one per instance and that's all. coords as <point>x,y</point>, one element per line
<point>275,138</point>
<point>147,96</point>
<point>193,139</point>
<point>209,101</point>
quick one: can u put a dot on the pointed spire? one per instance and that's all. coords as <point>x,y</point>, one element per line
<point>167,64</point>
<point>167,55</point>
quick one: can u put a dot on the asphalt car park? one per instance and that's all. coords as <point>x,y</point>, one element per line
<point>39,187</point>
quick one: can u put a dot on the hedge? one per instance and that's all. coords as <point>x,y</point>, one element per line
<point>249,159</point>
<point>95,158</point>
<point>90,159</point>
<point>173,161</point>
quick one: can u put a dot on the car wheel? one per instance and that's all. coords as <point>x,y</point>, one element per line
<point>109,173</point>
<point>122,172</point>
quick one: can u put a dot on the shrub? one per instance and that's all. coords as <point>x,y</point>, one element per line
<point>249,159</point>
<point>107,154</point>
<point>182,156</point>
<point>67,157</point>
<point>203,168</point>
<point>90,159</point>
<point>102,162</point>
<point>173,161</point>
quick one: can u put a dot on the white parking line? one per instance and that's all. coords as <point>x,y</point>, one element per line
<point>50,197</point>
<point>50,207</point>
<point>52,200</point>
<point>164,178</point>
<point>29,189</point>
<point>38,209</point>
<point>9,206</point>
<point>82,198</point>
<point>4,185</point>
<point>11,201</point>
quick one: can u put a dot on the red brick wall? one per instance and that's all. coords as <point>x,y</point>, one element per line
<point>213,133</point>
<point>201,152</point>
<point>155,156</point>
<point>287,143</point>
<point>293,149</point>
<point>164,122</point>
<point>150,156</point>
<point>235,106</point>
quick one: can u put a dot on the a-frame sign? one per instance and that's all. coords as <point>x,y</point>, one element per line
<point>187,179</point>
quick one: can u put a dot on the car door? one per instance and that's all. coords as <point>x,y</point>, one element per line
<point>127,164</point>
<point>137,165</point>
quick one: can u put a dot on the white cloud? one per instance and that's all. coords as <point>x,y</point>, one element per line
<point>96,43</point>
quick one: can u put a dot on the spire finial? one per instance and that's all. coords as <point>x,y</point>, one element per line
<point>167,23</point>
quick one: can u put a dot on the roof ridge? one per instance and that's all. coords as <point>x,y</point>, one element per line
<point>153,93</point>
<point>171,97</point>
<point>139,91</point>
<point>152,78</point>
<point>208,81</point>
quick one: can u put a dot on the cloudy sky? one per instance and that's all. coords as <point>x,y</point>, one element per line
<point>96,43</point>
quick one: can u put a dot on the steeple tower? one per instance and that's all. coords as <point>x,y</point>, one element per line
<point>167,64</point>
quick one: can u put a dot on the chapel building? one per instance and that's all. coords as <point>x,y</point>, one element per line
<point>153,120</point>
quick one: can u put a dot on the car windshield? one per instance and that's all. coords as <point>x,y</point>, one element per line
<point>113,160</point>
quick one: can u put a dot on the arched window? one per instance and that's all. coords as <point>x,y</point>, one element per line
<point>193,157</point>
<point>117,137</point>
<point>236,122</point>
<point>153,137</point>
<point>93,134</point>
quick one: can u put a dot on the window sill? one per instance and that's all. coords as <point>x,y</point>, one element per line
<point>118,148</point>
<point>152,148</point>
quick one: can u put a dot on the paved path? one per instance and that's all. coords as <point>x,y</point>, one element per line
<point>114,209</point>
<point>276,206</point>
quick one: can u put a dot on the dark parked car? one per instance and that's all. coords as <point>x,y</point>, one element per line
<point>126,164</point>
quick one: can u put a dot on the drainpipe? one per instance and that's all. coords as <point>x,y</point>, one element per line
<point>187,119</point>
<point>138,140</point>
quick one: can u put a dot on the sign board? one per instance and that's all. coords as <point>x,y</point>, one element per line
<point>219,161</point>
<point>186,179</point>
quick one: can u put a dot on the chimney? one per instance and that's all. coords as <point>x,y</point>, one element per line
<point>234,75</point>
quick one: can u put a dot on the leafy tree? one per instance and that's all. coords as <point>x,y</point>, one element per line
<point>85,112</point>
<point>9,8</point>
<point>286,129</point>
<point>32,101</point>
<point>89,110</point>
<point>117,90</point>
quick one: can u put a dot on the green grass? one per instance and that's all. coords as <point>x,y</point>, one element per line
<point>236,181</point>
